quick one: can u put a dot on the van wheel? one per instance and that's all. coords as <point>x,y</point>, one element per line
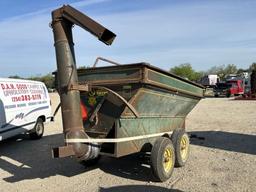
<point>162,159</point>
<point>180,141</point>
<point>38,131</point>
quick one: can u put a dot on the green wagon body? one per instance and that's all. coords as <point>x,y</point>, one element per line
<point>161,99</point>
<point>125,108</point>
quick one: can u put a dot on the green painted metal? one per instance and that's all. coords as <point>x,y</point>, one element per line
<point>161,99</point>
<point>102,75</point>
<point>143,126</point>
<point>173,83</point>
<point>156,103</point>
<point>139,73</point>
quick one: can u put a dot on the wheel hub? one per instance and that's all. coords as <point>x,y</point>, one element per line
<point>184,144</point>
<point>168,162</point>
<point>39,129</point>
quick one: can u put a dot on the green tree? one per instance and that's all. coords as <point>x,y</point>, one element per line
<point>222,71</point>
<point>230,69</point>
<point>185,70</point>
<point>15,77</point>
<point>48,80</point>
<point>241,70</point>
<point>252,67</point>
<point>216,69</point>
<point>81,67</point>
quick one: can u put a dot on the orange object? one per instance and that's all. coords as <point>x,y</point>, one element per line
<point>83,111</point>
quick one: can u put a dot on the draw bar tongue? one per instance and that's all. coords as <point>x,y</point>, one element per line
<point>64,151</point>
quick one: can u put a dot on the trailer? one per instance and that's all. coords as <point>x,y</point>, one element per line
<point>122,109</point>
<point>209,80</point>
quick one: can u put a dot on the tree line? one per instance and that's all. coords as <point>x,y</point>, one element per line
<point>47,79</point>
<point>186,71</point>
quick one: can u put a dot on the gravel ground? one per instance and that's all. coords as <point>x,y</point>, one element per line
<point>223,158</point>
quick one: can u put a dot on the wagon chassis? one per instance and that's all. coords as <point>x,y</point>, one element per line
<point>142,104</point>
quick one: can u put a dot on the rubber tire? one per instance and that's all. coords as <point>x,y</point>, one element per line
<point>35,133</point>
<point>176,139</point>
<point>157,154</point>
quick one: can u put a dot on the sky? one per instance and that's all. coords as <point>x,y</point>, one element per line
<point>164,33</point>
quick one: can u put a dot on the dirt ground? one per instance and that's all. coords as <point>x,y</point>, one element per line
<point>223,158</point>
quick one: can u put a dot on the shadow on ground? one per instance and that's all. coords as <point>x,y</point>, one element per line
<point>235,142</point>
<point>31,159</point>
<point>135,167</point>
<point>138,188</point>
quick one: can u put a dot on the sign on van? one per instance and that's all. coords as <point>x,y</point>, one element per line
<point>23,104</point>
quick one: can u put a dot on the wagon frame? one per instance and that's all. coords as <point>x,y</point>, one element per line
<point>123,109</point>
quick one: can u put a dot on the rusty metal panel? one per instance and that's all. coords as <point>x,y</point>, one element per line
<point>103,76</point>
<point>76,17</point>
<point>139,73</point>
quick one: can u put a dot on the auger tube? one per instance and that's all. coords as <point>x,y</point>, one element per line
<point>63,20</point>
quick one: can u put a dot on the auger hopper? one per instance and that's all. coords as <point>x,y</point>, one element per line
<point>123,109</point>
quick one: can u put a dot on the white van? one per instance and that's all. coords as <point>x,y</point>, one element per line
<point>24,108</point>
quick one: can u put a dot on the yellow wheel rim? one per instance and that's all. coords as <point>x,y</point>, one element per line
<point>168,160</point>
<point>184,145</point>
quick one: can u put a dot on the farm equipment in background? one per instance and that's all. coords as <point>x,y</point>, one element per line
<point>209,80</point>
<point>231,87</point>
<point>250,93</point>
<point>221,89</point>
<point>122,109</point>
<point>236,87</point>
